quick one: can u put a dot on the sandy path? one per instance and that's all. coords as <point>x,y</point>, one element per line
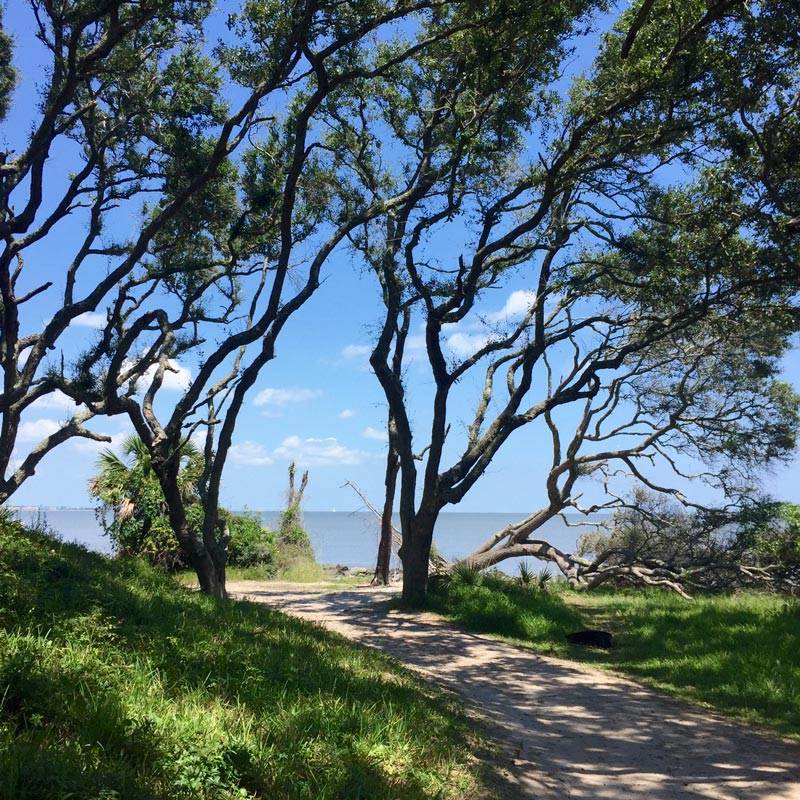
<point>573,731</point>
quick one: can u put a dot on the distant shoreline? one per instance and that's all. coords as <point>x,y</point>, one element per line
<point>576,514</point>
<point>342,537</point>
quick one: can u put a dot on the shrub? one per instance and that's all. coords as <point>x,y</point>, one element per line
<point>250,543</point>
<point>132,509</point>
<point>292,536</point>
<point>464,574</point>
<point>294,544</point>
<point>134,514</point>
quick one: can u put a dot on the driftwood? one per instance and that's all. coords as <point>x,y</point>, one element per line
<point>615,566</point>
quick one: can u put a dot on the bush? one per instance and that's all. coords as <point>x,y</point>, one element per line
<point>466,575</point>
<point>132,509</point>
<point>250,543</point>
<point>292,535</point>
<point>294,544</point>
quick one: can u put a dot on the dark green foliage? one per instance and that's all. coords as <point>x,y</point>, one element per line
<point>133,511</point>
<point>117,683</point>
<point>250,543</point>
<point>8,76</point>
<point>134,514</point>
<point>293,540</point>
<point>291,531</point>
<point>525,573</point>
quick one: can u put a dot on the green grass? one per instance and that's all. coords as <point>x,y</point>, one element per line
<point>739,654</point>
<point>303,571</point>
<point>115,682</point>
<point>490,603</point>
<point>736,653</point>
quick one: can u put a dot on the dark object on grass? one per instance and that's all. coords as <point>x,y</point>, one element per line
<point>591,638</point>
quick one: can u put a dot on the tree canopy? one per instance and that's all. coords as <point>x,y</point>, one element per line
<point>643,207</point>
<point>639,211</point>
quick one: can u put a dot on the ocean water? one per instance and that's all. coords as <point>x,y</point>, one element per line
<point>341,537</point>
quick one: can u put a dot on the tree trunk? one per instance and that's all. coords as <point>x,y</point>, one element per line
<point>210,576</point>
<point>385,545</point>
<point>210,570</point>
<point>543,550</point>
<point>415,556</point>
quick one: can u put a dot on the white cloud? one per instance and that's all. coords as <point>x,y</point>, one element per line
<point>90,319</point>
<point>280,398</point>
<point>55,401</point>
<point>251,454</point>
<point>36,429</point>
<point>356,351</point>
<point>373,433</point>
<point>416,343</point>
<point>465,344</point>
<point>176,378</point>
<point>415,349</point>
<point>318,452</point>
<point>346,413</point>
<point>517,305</point>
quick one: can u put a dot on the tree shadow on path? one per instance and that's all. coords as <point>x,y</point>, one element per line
<point>572,731</point>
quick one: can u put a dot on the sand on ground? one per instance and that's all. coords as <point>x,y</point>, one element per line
<point>566,730</point>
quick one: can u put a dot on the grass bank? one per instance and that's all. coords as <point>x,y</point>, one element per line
<point>115,682</point>
<point>739,654</point>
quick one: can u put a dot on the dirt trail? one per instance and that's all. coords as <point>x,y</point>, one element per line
<point>573,731</point>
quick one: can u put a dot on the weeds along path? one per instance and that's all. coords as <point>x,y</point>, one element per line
<point>568,730</point>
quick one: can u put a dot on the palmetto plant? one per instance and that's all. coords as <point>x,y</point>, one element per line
<point>132,508</point>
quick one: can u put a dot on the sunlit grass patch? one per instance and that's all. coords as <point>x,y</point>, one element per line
<point>492,603</point>
<point>117,682</point>
<point>737,653</point>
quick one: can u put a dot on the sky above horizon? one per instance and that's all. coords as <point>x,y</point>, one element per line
<point>317,403</point>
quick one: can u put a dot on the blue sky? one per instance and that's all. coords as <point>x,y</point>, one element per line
<point>316,403</point>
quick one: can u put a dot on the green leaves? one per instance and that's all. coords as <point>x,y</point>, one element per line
<point>130,492</point>
<point>8,75</point>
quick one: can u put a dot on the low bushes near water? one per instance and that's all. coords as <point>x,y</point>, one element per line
<point>133,513</point>
<point>738,653</point>
<point>117,683</point>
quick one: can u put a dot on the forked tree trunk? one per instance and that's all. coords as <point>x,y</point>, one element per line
<point>210,575</point>
<point>385,544</point>
<point>208,565</point>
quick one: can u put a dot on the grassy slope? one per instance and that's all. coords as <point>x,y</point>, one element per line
<point>117,683</point>
<point>739,654</point>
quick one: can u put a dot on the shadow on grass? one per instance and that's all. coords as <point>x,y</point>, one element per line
<point>494,604</point>
<point>737,653</point>
<point>113,679</point>
<point>572,729</point>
